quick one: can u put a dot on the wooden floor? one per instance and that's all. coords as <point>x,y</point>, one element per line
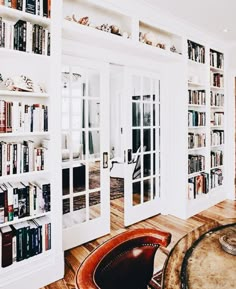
<point>175,226</point>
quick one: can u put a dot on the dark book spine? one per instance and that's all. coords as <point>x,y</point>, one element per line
<point>30,6</point>
<point>15,203</point>
<point>7,249</point>
<point>45,8</point>
<point>49,44</point>
<point>19,5</point>
<point>26,242</point>
<point>2,210</point>
<point>14,168</point>
<point>19,244</point>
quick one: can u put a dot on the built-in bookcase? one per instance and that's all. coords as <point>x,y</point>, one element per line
<point>205,127</point>
<point>28,178</point>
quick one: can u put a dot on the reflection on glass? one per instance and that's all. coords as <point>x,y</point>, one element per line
<point>65,122</point>
<point>137,167</point>
<point>93,114</point>
<point>154,139</point>
<point>136,114</point>
<point>136,193</point>
<point>66,206</point>
<point>94,144</point>
<point>147,165</point>
<point>94,205</point>
<point>154,164</point>
<point>79,178</point>
<point>154,188</point>
<point>147,139</point>
<point>147,190</point>
<point>94,175</point>
<point>136,84</point>
<point>146,114</point>
<point>93,84</point>
<point>136,140</point>
<point>154,115</point>
<point>79,202</point>
<point>78,145</point>
<point>65,182</point>
<point>147,88</point>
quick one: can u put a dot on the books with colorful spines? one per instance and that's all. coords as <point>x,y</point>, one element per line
<point>23,200</point>
<point>191,189</point>
<point>30,145</point>
<point>2,116</point>
<point>4,190</point>
<point>18,230</point>
<point>14,4</point>
<point>44,186</point>
<point>6,246</point>
<point>45,223</point>
<point>199,185</point>
<point>2,208</point>
<point>26,240</point>
<point>10,201</point>
<point>34,244</point>
<point>15,200</point>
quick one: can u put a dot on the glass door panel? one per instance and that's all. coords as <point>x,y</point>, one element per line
<point>85,205</point>
<point>142,178</point>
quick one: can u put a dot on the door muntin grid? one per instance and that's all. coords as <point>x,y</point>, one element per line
<point>81,157</point>
<point>145,139</point>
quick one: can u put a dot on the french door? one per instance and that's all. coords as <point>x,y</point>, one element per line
<point>85,145</point>
<point>142,184</point>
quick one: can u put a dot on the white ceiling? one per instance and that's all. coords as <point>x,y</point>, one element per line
<point>212,16</point>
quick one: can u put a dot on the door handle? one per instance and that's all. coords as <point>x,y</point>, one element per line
<point>129,156</point>
<point>105,160</point>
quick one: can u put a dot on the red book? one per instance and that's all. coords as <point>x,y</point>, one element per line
<point>6,246</point>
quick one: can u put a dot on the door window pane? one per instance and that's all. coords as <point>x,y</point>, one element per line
<point>94,175</point>
<point>136,140</point>
<point>79,178</point>
<point>136,114</point>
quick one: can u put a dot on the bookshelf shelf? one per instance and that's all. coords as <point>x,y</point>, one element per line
<point>25,176</point>
<point>23,94</point>
<point>14,14</point>
<point>215,69</point>
<point>11,52</point>
<point>197,149</point>
<point>196,174</point>
<point>196,84</point>
<point>217,167</point>
<point>24,219</point>
<point>217,88</point>
<point>25,134</point>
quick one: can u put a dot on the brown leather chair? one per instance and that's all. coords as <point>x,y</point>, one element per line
<point>125,261</point>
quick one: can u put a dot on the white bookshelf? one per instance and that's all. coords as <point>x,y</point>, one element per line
<point>48,266</point>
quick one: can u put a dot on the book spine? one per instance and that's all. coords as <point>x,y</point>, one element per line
<point>6,249</point>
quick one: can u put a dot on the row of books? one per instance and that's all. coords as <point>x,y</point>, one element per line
<point>196,52</point>
<point>216,99</point>
<point>217,79</point>
<point>216,158</point>
<point>198,185</point>
<point>196,118</point>
<point>217,118</point>
<point>216,178</point>
<point>24,36</point>
<point>196,140</point>
<point>36,7</point>
<point>197,97</point>
<point>24,199</point>
<point>18,117</point>
<point>217,137</point>
<point>216,59</point>
<point>24,240</point>
<point>196,163</point>
<point>18,158</point>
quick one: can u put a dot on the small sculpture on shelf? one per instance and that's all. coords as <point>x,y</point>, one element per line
<point>161,45</point>
<point>173,49</point>
<point>114,29</point>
